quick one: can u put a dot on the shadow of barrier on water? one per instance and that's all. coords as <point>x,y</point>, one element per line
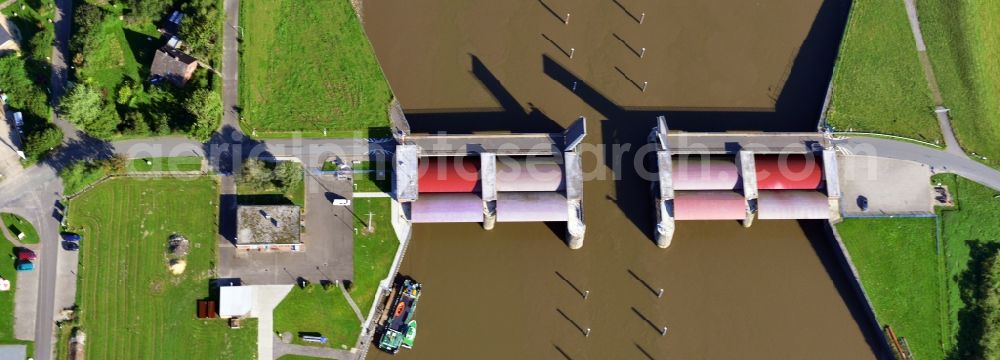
<point>512,117</point>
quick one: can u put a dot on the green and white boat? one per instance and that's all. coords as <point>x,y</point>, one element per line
<point>411,333</point>
<point>400,328</point>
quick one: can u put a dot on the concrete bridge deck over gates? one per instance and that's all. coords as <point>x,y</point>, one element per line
<point>729,176</point>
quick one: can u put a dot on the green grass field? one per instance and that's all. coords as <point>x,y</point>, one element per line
<point>16,224</point>
<point>129,303</point>
<point>327,312</point>
<point>180,163</point>
<point>321,311</point>
<point>962,43</point>
<point>921,292</point>
<point>307,66</point>
<point>899,268</point>
<point>878,84</point>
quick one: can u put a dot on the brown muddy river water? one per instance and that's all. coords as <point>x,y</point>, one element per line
<point>771,292</point>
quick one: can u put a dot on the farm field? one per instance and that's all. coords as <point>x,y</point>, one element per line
<point>878,84</point>
<point>326,311</point>
<point>924,292</point>
<point>129,303</point>
<point>307,66</point>
<point>962,46</point>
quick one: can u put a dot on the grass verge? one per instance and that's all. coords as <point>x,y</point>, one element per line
<point>17,225</point>
<point>129,302</point>
<point>181,163</point>
<point>307,66</point>
<point>878,84</point>
<point>961,42</point>
<point>369,176</point>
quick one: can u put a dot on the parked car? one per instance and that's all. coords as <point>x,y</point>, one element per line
<point>72,237</point>
<point>24,266</point>
<point>863,203</point>
<point>70,246</point>
<point>341,202</point>
<point>26,254</point>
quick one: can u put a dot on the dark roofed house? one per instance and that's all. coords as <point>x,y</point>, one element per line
<point>172,65</point>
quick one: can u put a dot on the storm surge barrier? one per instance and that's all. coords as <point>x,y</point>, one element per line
<point>742,177</point>
<point>492,178</point>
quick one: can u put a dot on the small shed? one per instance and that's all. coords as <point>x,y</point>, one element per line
<point>172,65</point>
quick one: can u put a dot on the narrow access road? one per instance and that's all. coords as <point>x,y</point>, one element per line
<point>231,65</point>
<point>939,161</point>
<point>944,122</point>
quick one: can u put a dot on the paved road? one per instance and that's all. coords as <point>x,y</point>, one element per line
<point>231,64</point>
<point>730,142</point>
<point>939,161</point>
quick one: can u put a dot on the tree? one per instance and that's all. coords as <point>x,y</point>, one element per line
<point>989,307</point>
<point>135,123</point>
<point>39,142</point>
<point>256,174</point>
<point>147,10</point>
<point>86,18</point>
<point>126,91</point>
<point>205,107</point>
<point>201,28</point>
<point>84,107</point>
<point>289,173</point>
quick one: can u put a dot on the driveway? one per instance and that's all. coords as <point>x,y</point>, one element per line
<point>267,298</point>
